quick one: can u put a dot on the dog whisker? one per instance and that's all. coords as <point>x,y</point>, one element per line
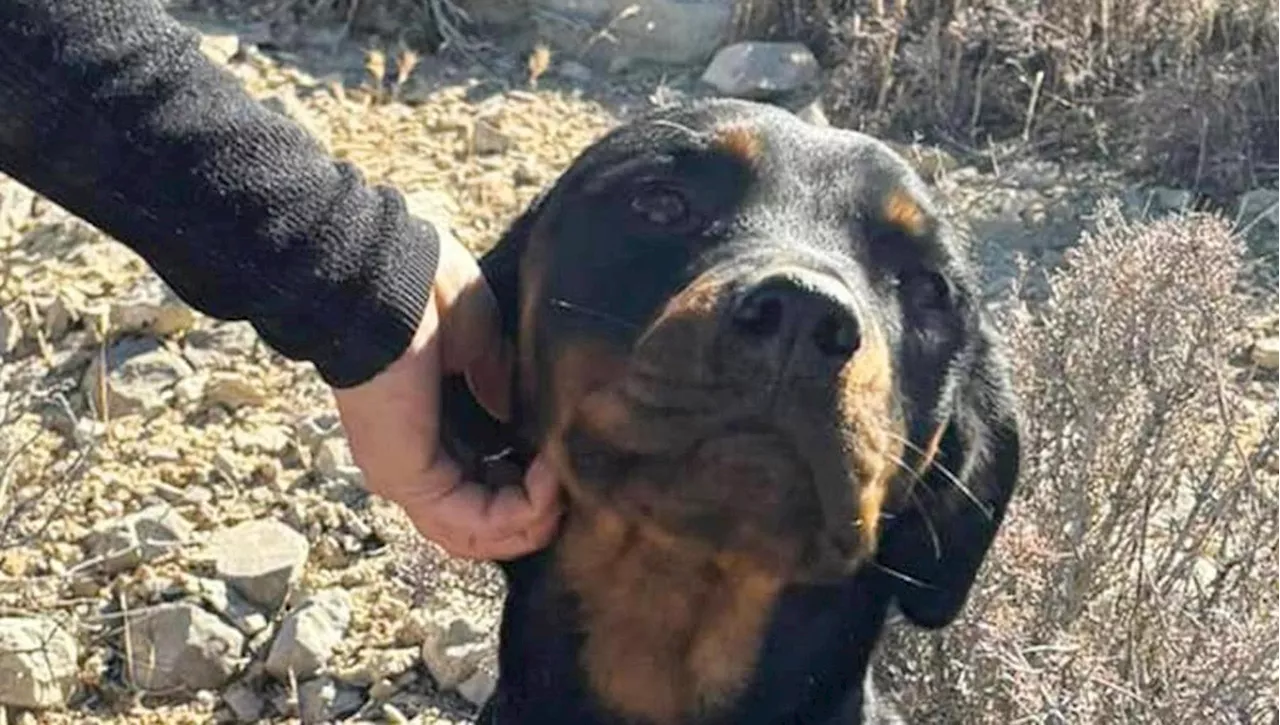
<point>589,312</point>
<point>919,505</point>
<point>902,576</point>
<point>679,127</point>
<point>946,473</point>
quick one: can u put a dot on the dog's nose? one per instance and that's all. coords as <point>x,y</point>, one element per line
<point>798,308</point>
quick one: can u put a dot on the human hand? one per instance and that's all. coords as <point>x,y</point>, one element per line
<point>392,423</point>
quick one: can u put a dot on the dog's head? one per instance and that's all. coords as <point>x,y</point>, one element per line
<point>758,339</point>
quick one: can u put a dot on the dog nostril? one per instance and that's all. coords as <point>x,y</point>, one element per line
<point>836,337</point>
<point>759,315</point>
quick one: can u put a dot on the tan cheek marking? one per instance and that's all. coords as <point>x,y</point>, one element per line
<point>867,387</point>
<point>739,141</point>
<point>930,451</point>
<point>901,211</point>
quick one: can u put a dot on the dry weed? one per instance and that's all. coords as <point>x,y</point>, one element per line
<point>1184,89</point>
<point>1136,580</point>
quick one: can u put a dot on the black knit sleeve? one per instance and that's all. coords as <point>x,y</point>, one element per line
<point>110,109</point>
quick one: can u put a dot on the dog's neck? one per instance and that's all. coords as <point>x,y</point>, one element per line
<point>613,620</point>
<point>669,631</point>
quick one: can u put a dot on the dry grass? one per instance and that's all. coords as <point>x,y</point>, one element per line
<point>1136,580</point>
<point>1183,92</point>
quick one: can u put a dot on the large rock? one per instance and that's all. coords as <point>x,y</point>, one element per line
<point>761,70</point>
<point>308,635</point>
<point>140,537</point>
<point>261,559</point>
<point>660,31</point>
<point>181,646</point>
<point>37,663</point>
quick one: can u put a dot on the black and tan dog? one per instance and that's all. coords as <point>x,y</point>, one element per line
<point>756,357</point>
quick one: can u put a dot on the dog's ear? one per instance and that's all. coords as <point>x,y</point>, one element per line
<point>934,548</point>
<point>501,264</point>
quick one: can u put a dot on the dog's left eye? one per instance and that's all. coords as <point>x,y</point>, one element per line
<point>662,206</point>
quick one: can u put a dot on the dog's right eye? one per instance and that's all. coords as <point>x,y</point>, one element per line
<point>663,206</point>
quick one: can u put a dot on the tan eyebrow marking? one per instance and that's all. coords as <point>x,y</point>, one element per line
<point>903,212</point>
<point>739,141</point>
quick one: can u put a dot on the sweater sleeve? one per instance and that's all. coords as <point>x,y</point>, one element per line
<point>110,109</point>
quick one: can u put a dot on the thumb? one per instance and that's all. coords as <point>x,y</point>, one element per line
<point>471,333</point>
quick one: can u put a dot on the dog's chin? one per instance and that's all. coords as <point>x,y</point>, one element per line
<point>738,494</point>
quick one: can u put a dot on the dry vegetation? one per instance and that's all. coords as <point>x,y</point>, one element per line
<point>1136,580</point>
<point>1182,92</point>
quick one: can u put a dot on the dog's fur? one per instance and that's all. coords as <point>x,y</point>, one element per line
<point>743,508</point>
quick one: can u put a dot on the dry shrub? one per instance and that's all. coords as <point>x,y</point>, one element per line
<point>1072,76</point>
<point>1136,578</point>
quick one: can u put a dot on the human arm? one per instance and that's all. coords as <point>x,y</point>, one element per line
<point>109,108</point>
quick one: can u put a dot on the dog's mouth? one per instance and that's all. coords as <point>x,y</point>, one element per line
<point>718,445</point>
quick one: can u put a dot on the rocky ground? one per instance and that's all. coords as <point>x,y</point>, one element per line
<point>183,536</point>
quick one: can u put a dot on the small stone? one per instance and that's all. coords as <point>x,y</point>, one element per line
<point>234,608</point>
<point>575,71</point>
<point>261,559</point>
<point>151,308</point>
<point>232,391</point>
<point>452,649</point>
<point>332,460</point>
<point>180,645</point>
<point>813,113</point>
<point>38,668</point>
<point>312,429</point>
<point>220,48</point>
<point>218,346</point>
<point>760,70</point>
<point>10,331</point>
<point>487,139</point>
<point>138,376</point>
<point>315,700</point>
<point>140,537</point>
<point>1266,353</point>
<point>523,175</point>
<point>270,439</point>
<point>56,318</point>
<point>382,690</point>
<point>308,635</point>
<point>244,703</point>
<point>479,687</point>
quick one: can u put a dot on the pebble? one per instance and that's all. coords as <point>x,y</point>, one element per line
<point>136,378</point>
<point>136,538</point>
<point>309,634</point>
<point>452,649</point>
<point>232,391</point>
<point>487,139</point>
<point>1266,353</point>
<point>38,667</point>
<point>151,308</point>
<point>262,559</point>
<point>10,331</point>
<point>246,704</point>
<point>180,645</point>
<point>479,687</point>
<point>229,604</point>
